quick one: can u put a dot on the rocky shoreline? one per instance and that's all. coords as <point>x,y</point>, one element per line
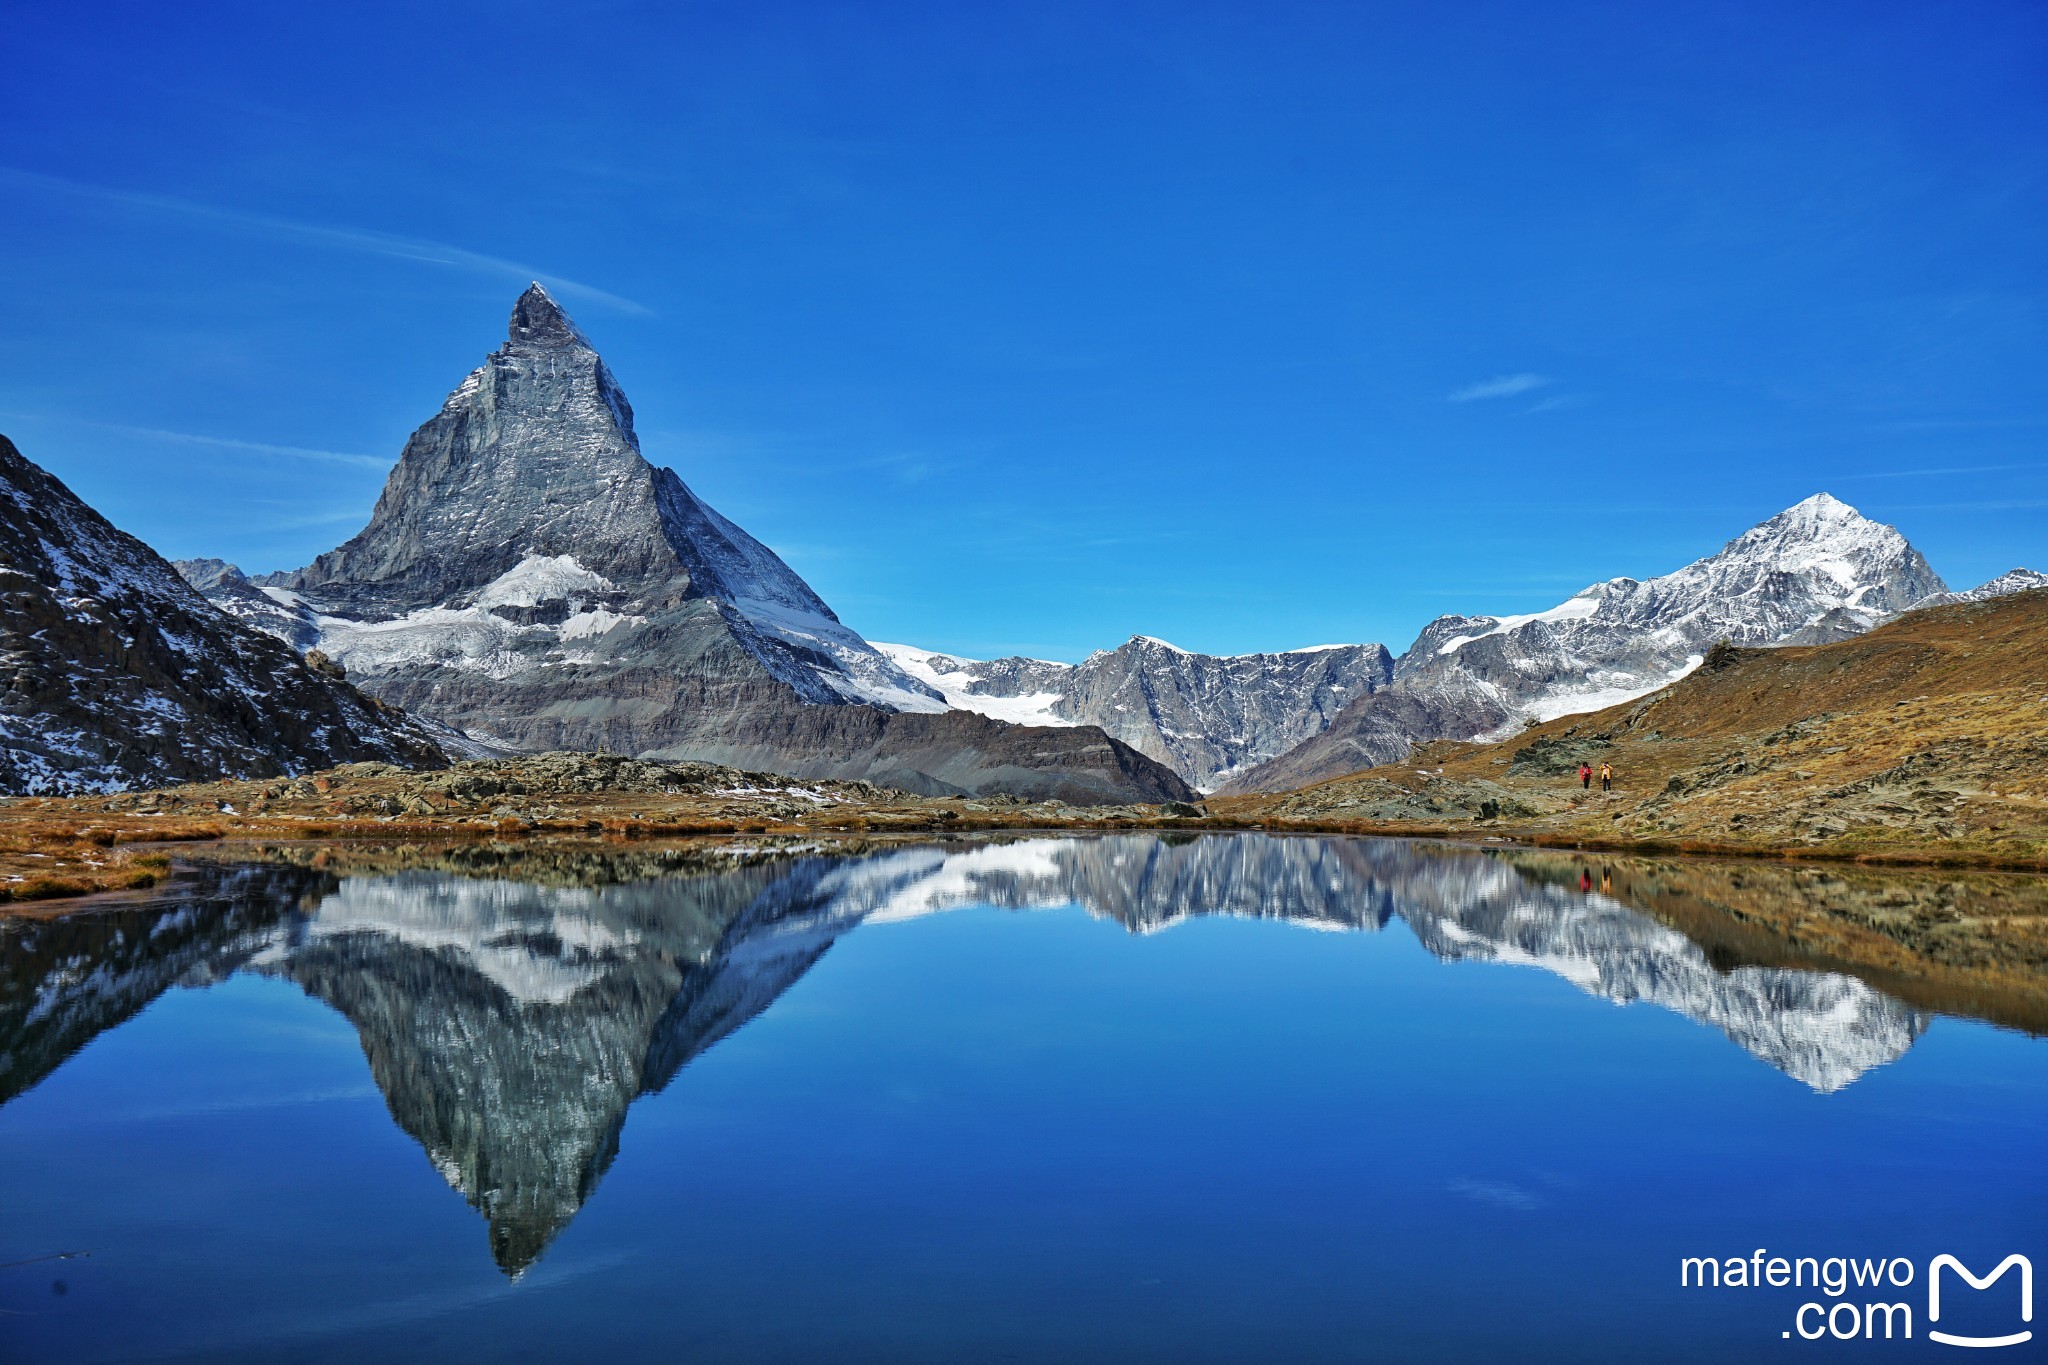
<point>55,849</point>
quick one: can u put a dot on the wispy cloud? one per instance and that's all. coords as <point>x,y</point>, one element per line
<point>1500,386</point>
<point>364,241</point>
<point>189,438</point>
<point>1950,469</point>
<point>353,517</point>
<point>1497,1193</point>
<point>252,447</point>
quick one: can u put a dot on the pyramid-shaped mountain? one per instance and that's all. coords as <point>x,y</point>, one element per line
<point>531,579</point>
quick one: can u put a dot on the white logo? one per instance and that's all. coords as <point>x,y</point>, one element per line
<point>1934,1298</point>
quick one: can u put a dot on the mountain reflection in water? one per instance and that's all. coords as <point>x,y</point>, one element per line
<point>510,1025</point>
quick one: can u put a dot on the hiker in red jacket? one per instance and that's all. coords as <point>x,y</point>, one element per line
<point>1586,776</point>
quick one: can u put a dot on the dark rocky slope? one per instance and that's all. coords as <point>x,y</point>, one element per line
<point>115,673</point>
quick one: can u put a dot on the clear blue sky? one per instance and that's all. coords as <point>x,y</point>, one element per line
<point>1032,326</point>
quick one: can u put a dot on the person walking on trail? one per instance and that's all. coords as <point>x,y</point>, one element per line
<point>1585,777</point>
<point>1607,777</point>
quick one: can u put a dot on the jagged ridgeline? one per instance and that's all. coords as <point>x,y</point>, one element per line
<point>531,580</point>
<point>114,672</point>
<point>1817,572</point>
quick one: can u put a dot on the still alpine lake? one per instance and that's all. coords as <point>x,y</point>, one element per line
<point>1159,1098</point>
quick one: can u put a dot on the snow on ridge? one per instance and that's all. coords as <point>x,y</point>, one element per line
<point>1030,709</point>
<point>1822,540</point>
<point>1201,714</point>
<point>475,638</point>
<point>1578,607</point>
<point>1569,702</point>
<point>864,673</point>
<point>495,927</point>
<point>961,879</point>
<point>2007,583</point>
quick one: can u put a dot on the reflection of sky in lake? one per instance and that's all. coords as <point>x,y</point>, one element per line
<point>957,1135</point>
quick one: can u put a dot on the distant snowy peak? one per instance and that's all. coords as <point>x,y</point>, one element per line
<point>1204,715</point>
<point>1816,558</point>
<point>1846,559</point>
<point>2007,583</point>
<point>1818,570</point>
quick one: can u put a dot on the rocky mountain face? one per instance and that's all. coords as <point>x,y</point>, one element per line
<point>115,673</point>
<point>529,579</point>
<point>1816,572</point>
<point>1203,715</point>
<point>510,1026</point>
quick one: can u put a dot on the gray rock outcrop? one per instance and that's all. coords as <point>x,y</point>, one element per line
<point>1206,716</point>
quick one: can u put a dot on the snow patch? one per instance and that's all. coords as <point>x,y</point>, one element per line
<point>540,578</point>
<point>1033,708</point>
<point>1578,608</point>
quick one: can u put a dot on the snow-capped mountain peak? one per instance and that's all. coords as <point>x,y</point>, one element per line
<point>1822,531</point>
<point>1818,567</point>
<point>2011,581</point>
<point>1817,571</point>
<point>529,579</point>
<point>522,531</point>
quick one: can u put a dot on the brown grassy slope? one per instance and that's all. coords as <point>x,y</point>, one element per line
<point>1927,738</point>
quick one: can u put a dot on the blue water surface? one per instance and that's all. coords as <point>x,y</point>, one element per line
<point>1061,1105</point>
